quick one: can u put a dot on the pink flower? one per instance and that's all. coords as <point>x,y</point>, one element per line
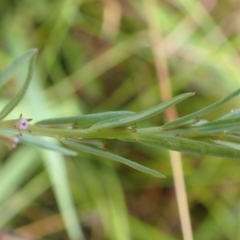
<point>22,124</point>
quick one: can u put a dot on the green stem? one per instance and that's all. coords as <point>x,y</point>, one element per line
<point>81,133</point>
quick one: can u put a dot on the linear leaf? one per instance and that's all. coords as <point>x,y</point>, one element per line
<point>220,126</point>
<point>40,142</point>
<point>102,153</point>
<point>223,125</point>
<point>13,103</point>
<point>85,120</point>
<point>231,138</point>
<point>183,120</point>
<point>228,144</point>
<point>187,145</point>
<point>232,114</point>
<point>123,121</point>
<point>6,74</point>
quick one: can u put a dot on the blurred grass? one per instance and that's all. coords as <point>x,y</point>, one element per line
<point>95,56</point>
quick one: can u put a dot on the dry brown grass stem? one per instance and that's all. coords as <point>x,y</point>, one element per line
<point>112,13</point>
<point>155,37</point>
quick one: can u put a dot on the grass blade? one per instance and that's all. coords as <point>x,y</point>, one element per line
<point>20,199</point>
<point>17,170</point>
<point>183,120</point>
<point>101,153</point>
<point>123,121</point>
<point>57,170</point>
<point>13,103</point>
<point>6,74</point>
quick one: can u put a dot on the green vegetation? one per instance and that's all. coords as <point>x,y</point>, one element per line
<point>89,95</point>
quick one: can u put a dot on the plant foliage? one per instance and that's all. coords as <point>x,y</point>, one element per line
<point>190,133</point>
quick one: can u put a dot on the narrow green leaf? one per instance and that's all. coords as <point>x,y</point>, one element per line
<point>231,138</point>
<point>228,144</point>
<point>232,114</point>
<point>123,121</point>
<point>16,171</point>
<point>93,142</point>
<point>40,142</point>
<point>6,74</point>
<point>24,196</point>
<point>102,153</point>
<point>13,103</point>
<point>223,126</point>
<point>218,126</point>
<point>187,145</point>
<point>85,120</point>
<point>57,170</point>
<point>193,116</point>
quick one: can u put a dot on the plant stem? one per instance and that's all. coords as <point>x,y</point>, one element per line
<point>116,133</point>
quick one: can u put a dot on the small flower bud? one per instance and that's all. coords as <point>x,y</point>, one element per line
<point>22,124</point>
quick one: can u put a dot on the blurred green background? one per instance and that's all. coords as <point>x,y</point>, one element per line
<point>95,56</point>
